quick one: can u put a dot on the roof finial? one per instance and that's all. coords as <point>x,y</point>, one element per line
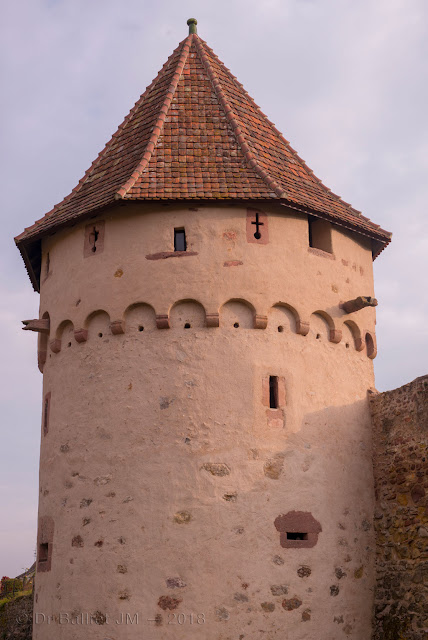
<point>192,22</point>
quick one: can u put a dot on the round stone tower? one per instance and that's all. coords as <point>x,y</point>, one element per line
<point>206,337</point>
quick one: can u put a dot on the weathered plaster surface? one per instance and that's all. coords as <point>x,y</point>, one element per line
<point>163,470</point>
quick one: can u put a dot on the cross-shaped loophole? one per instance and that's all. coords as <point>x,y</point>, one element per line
<point>258,224</point>
<point>93,237</point>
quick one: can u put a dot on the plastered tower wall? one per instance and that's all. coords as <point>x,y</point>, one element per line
<point>168,486</point>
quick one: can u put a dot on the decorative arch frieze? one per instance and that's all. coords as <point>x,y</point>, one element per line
<point>188,313</point>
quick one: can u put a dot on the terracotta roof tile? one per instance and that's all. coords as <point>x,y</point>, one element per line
<point>195,133</point>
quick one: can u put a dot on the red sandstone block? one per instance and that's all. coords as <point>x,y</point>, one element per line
<point>117,327</point>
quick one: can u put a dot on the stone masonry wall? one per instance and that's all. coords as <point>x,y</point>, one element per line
<point>400,455</point>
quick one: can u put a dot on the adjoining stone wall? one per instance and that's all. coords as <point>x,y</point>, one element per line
<point>400,455</point>
<point>16,618</point>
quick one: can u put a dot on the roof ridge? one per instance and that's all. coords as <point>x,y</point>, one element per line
<point>157,129</point>
<point>104,150</point>
<point>233,120</point>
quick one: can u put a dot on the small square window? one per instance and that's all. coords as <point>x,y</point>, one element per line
<point>320,234</point>
<point>180,240</point>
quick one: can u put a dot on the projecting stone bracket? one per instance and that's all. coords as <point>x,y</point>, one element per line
<point>302,327</point>
<point>260,322</point>
<point>213,320</point>
<point>162,321</point>
<point>117,327</point>
<point>55,345</point>
<point>358,303</point>
<point>335,336</point>
<point>41,326</point>
<point>81,335</point>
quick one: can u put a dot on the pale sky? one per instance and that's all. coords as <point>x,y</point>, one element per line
<point>345,81</point>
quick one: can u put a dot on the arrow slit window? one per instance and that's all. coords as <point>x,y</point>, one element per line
<point>46,411</point>
<point>273,392</point>
<point>94,239</point>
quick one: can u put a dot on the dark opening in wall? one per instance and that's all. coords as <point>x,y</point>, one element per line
<point>273,392</point>
<point>93,236</point>
<point>48,264</point>
<point>94,239</point>
<point>46,409</point>
<point>187,325</point>
<point>294,535</point>
<point>320,234</point>
<point>43,551</point>
<point>370,345</point>
<point>298,529</point>
<point>180,240</point>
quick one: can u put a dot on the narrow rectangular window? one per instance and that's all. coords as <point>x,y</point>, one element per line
<point>46,407</point>
<point>273,392</point>
<point>311,239</point>
<point>180,240</point>
<point>43,551</point>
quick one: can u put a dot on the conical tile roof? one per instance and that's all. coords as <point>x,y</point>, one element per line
<point>195,133</point>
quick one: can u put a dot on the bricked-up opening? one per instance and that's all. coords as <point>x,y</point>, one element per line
<point>273,392</point>
<point>295,535</point>
<point>320,234</point>
<point>46,409</point>
<point>180,240</point>
<point>43,551</point>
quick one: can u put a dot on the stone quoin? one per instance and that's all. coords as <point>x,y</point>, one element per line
<point>206,337</point>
